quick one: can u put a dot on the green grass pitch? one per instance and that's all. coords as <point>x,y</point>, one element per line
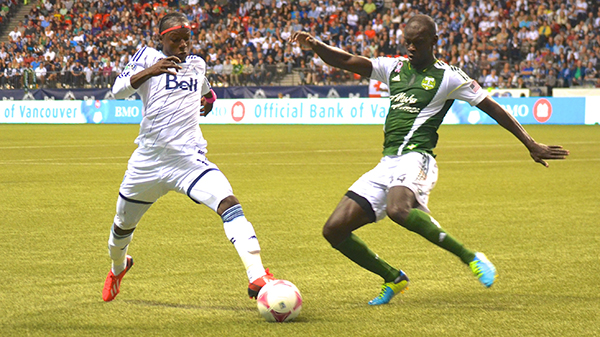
<point>540,226</point>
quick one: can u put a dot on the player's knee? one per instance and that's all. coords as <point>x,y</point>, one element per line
<point>333,232</point>
<point>226,203</point>
<point>121,222</point>
<point>398,213</point>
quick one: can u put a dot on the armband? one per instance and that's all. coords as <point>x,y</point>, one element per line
<point>212,99</point>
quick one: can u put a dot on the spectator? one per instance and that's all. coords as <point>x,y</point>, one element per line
<point>28,76</point>
<point>472,33</point>
<point>40,74</point>
<point>550,82</point>
<point>247,71</point>
<point>370,8</point>
<point>15,34</point>
<point>4,68</point>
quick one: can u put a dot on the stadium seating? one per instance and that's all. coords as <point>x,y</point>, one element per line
<point>502,43</point>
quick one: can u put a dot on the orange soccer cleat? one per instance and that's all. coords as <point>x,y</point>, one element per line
<point>113,283</point>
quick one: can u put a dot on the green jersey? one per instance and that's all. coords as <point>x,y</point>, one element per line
<point>419,100</point>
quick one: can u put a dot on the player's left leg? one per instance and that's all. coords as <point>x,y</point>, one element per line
<point>212,188</point>
<point>407,205</point>
<point>241,233</point>
<point>402,209</point>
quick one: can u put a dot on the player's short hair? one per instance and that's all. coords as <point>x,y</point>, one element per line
<point>425,21</point>
<point>171,19</point>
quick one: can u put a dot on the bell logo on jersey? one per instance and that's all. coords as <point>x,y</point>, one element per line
<point>172,83</point>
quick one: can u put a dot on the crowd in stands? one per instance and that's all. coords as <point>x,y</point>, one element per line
<point>500,43</point>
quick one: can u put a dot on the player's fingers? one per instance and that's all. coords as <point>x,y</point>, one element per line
<point>173,59</point>
<point>558,149</point>
<point>560,152</point>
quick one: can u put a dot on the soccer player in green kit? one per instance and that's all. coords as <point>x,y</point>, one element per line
<point>422,89</point>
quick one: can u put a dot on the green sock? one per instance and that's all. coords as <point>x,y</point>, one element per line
<point>356,250</point>
<point>424,225</point>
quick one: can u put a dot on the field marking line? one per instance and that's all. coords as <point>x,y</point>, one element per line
<point>373,163</point>
<point>444,144</point>
<point>57,146</point>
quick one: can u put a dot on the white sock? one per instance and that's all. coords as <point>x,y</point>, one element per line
<point>241,233</point>
<point>117,250</point>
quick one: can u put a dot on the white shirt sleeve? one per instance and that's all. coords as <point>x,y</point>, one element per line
<point>122,87</point>
<point>206,87</point>
<point>382,68</point>
<point>466,88</point>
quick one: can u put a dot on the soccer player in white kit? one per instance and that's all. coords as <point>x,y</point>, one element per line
<point>171,151</point>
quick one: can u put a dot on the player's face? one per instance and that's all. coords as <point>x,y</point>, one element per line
<point>419,43</point>
<point>177,43</point>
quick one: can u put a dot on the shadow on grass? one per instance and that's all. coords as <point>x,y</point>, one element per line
<point>187,306</point>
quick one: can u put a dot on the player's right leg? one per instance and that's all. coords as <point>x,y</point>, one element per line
<point>129,213</point>
<point>140,188</point>
<point>353,212</point>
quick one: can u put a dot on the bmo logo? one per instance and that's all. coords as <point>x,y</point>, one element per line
<point>542,110</point>
<point>238,111</point>
<point>127,111</point>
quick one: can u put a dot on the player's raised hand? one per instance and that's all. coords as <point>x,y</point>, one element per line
<point>206,107</point>
<point>303,38</point>
<point>166,65</point>
<point>539,152</point>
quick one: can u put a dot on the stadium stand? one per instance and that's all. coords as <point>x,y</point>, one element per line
<point>501,43</point>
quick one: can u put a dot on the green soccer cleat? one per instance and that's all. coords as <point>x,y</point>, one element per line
<point>391,289</point>
<point>483,269</point>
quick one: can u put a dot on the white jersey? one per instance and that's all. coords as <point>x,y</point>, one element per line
<point>171,103</point>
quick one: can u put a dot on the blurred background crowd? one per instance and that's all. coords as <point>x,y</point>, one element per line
<point>500,43</point>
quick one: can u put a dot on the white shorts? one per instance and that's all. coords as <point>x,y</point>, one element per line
<point>153,173</point>
<point>415,170</point>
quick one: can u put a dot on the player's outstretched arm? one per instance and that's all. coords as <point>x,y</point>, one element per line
<point>334,56</point>
<point>539,152</point>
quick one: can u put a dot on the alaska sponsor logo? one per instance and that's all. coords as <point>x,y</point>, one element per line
<point>428,83</point>
<point>542,110</point>
<point>238,111</point>
<point>402,102</point>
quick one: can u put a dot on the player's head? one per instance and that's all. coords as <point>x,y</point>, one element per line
<point>175,35</point>
<point>421,38</point>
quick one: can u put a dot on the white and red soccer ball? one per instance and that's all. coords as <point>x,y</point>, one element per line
<point>279,301</point>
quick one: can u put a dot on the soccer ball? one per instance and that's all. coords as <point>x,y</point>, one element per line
<point>279,301</point>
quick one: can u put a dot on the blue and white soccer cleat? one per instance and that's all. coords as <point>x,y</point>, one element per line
<point>483,269</point>
<point>391,289</point>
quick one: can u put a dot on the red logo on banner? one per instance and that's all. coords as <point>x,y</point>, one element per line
<point>542,110</point>
<point>238,111</point>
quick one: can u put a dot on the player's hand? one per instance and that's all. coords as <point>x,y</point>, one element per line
<point>167,65</point>
<point>206,107</point>
<point>540,152</point>
<point>304,39</point>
